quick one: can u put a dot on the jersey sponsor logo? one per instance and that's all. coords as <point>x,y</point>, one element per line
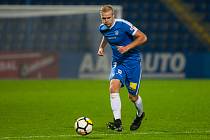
<point>133,85</point>
<point>116,32</point>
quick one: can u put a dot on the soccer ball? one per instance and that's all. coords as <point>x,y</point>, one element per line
<point>83,126</point>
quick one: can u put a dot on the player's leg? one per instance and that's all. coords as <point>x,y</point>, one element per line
<point>115,98</point>
<point>116,76</point>
<point>115,105</point>
<point>140,113</point>
<point>137,100</point>
<point>133,84</point>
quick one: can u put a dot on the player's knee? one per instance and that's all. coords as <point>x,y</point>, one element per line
<point>114,86</point>
<point>113,89</point>
<point>133,98</point>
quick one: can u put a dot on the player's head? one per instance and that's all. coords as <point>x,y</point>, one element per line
<point>107,15</point>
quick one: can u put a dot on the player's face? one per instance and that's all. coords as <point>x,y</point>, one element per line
<point>107,18</point>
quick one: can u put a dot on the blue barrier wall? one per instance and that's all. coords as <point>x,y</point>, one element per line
<point>198,65</point>
<point>159,65</point>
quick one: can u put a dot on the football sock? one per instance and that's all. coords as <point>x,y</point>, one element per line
<point>115,105</point>
<point>139,106</point>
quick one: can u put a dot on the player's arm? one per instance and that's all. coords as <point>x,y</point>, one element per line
<point>140,38</point>
<point>103,44</point>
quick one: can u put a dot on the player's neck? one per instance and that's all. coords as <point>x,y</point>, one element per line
<point>112,24</point>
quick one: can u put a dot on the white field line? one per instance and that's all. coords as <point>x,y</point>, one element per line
<point>106,134</point>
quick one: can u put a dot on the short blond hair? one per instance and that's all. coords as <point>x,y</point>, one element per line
<point>106,8</point>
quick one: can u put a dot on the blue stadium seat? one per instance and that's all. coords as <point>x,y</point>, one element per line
<point>166,32</point>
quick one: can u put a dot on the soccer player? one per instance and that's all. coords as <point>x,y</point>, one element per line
<point>125,40</point>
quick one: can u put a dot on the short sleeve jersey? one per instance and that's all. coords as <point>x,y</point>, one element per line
<point>121,33</point>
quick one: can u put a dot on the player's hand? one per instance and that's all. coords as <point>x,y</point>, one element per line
<point>100,52</point>
<point>122,49</point>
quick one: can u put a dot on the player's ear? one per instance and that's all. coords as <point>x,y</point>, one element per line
<point>114,14</point>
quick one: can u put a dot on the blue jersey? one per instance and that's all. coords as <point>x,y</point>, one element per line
<point>121,33</point>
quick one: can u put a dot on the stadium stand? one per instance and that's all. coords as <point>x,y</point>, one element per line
<point>167,26</point>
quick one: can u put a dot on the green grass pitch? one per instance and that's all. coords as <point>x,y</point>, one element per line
<point>47,109</point>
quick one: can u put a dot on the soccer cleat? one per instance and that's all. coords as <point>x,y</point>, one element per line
<point>116,125</point>
<point>137,122</point>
